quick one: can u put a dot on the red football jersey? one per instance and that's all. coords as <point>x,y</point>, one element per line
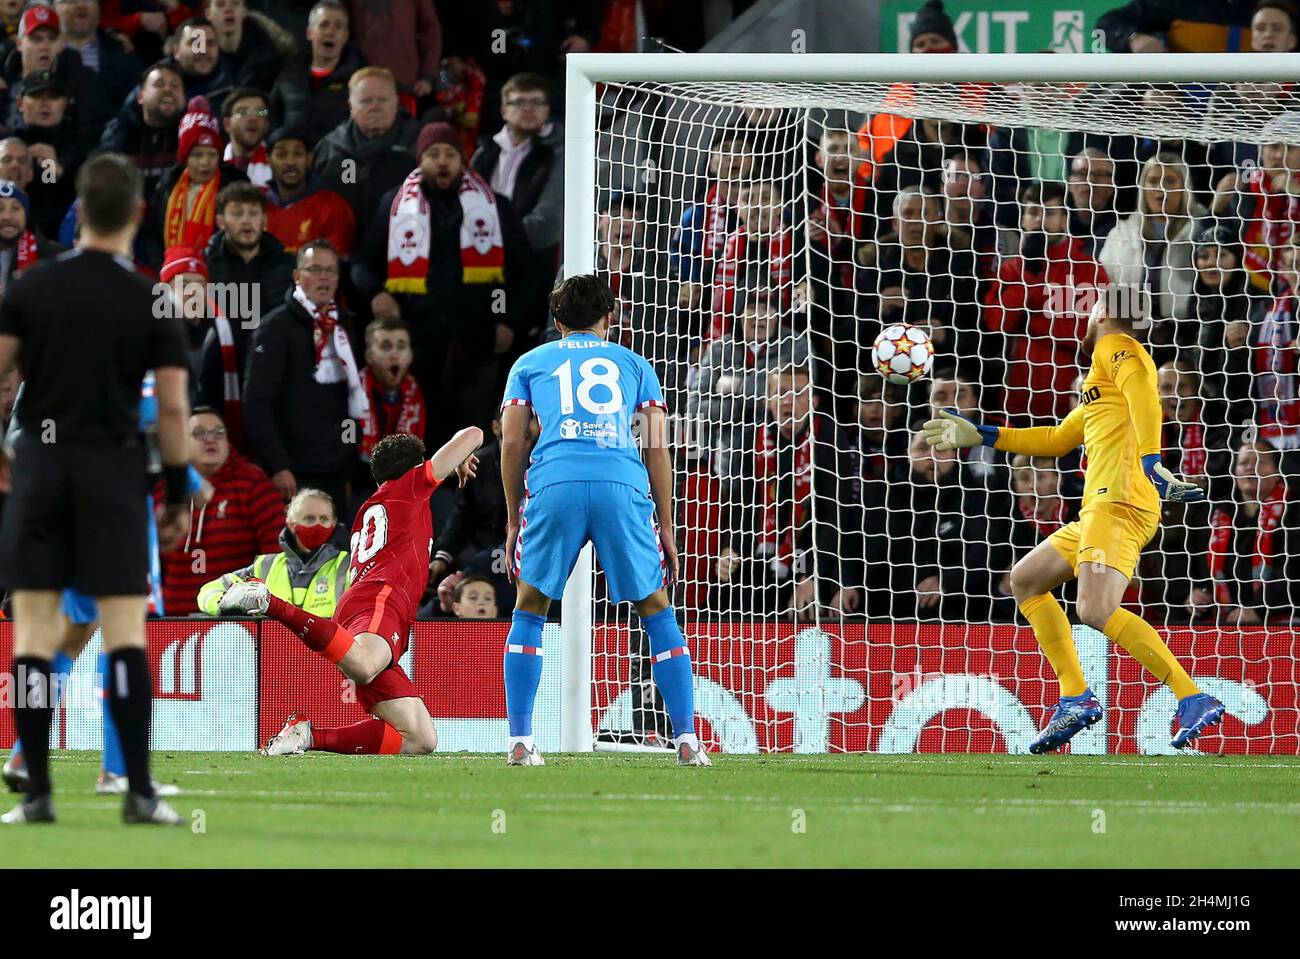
<point>392,536</point>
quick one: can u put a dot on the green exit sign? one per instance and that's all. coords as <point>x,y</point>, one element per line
<point>987,26</point>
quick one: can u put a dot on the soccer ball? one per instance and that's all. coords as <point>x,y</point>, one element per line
<point>902,353</point>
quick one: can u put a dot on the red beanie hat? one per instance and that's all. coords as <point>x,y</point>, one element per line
<point>432,133</point>
<point>199,127</point>
<point>182,259</point>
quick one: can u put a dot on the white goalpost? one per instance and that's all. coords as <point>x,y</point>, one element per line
<point>762,217</point>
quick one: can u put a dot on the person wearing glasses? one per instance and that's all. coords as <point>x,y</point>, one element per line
<point>241,518</point>
<point>246,120</point>
<point>303,396</point>
<point>523,163</point>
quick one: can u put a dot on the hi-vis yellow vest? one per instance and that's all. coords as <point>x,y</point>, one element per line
<point>319,597</point>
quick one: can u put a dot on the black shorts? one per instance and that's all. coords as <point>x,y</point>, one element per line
<point>77,517</point>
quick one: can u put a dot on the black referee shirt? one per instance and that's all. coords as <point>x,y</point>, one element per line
<point>89,328</point>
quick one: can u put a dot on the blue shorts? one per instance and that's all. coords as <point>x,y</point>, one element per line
<point>79,608</point>
<point>619,519</point>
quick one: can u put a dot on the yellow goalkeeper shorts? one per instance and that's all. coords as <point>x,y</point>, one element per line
<point>1111,534</point>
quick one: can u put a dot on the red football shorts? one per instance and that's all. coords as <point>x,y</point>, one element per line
<point>382,609</point>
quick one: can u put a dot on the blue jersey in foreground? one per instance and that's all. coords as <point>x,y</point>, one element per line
<point>584,392</point>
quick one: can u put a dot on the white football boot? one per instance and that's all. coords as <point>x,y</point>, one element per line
<point>111,784</point>
<point>249,598</point>
<point>293,740</point>
<point>691,753</point>
<point>524,754</point>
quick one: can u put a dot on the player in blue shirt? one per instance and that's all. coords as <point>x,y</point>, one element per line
<point>586,482</point>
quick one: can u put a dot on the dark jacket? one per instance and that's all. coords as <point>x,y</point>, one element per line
<point>827,542</point>
<point>538,198</point>
<point>451,310</point>
<point>45,249</point>
<point>256,62</point>
<point>478,517</point>
<point>382,163</point>
<point>151,149</point>
<point>119,69</point>
<point>88,104</point>
<point>272,270</point>
<point>1273,590</point>
<point>214,86</point>
<point>50,201</point>
<point>942,530</point>
<point>316,107</point>
<point>150,245</point>
<point>292,421</point>
<point>1203,25</point>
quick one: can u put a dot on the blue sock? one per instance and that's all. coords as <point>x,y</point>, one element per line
<point>672,669</point>
<point>114,761</point>
<point>60,667</point>
<point>523,670</point>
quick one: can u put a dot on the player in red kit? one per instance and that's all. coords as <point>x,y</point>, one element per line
<point>392,538</point>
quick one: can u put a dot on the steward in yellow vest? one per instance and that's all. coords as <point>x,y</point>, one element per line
<point>308,571</point>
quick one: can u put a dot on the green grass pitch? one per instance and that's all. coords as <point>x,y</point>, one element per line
<point>640,810</point>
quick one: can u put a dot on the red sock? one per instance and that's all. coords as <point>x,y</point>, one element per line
<point>320,634</point>
<point>369,736</point>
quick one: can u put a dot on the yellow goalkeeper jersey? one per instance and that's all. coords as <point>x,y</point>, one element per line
<point>1117,421</point>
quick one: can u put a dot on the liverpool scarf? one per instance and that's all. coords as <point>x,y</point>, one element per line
<point>1221,542</point>
<point>192,227</point>
<point>771,255</point>
<point>1031,508</point>
<point>406,414</point>
<point>334,360</point>
<point>482,250</point>
<point>232,404</point>
<point>1276,373</point>
<point>776,541</point>
<point>256,166</point>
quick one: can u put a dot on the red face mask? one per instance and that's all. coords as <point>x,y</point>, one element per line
<point>312,538</point>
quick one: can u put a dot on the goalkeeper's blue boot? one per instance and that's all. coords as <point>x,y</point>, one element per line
<point>1196,713</point>
<point>1073,714</point>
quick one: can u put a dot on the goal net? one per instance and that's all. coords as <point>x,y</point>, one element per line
<point>842,586</point>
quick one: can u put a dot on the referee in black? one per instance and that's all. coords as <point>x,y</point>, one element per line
<point>84,328</point>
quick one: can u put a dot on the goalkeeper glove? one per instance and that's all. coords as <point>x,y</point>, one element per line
<point>950,431</point>
<point>1169,486</point>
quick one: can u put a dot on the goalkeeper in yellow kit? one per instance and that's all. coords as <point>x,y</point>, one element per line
<point>1118,422</point>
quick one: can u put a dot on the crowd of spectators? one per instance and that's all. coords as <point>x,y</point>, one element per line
<point>996,241</point>
<point>359,207</point>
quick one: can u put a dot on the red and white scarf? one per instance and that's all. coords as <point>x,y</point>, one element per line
<point>232,403</point>
<point>777,259</point>
<point>1046,525</point>
<point>482,250</point>
<point>775,543</point>
<point>407,415</point>
<point>716,225</point>
<point>25,254</point>
<point>1221,540</point>
<point>1276,374</point>
<point>1269,226</point>
<point>256,166</point>
<point>335,362</point>
<point>1193,446</point>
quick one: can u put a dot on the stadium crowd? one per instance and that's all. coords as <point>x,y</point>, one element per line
<point>359,207</point>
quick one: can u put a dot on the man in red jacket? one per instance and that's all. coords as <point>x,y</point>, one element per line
<point>299,206</point>
<point>242,518</point>
<point>1040,303</point>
